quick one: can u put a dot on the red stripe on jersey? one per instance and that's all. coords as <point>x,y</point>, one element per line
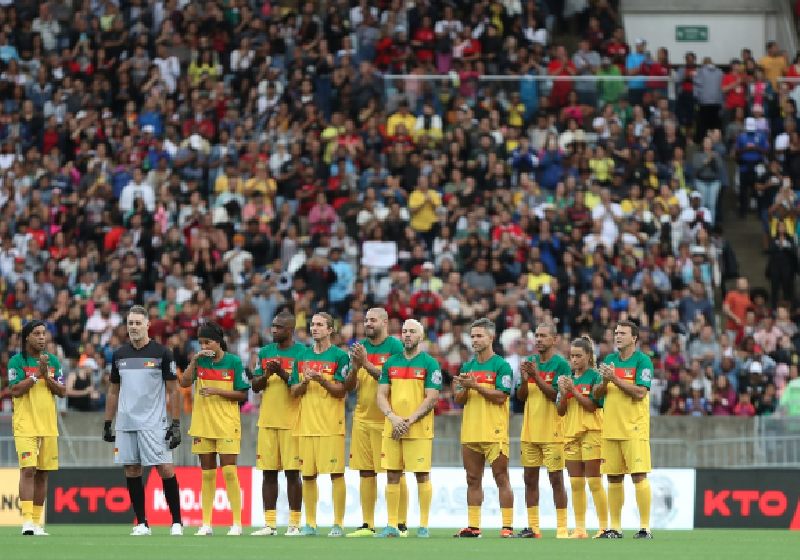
<point>584,390</point>
<point>285,363</point>
<point>407,373</point>
<point>210,374</point>
<point>377,359</point>
<point>325,368</point>
<point>485,377</point>
<point>547,376</point>
<point>628,374</point>
<point>30,371</point>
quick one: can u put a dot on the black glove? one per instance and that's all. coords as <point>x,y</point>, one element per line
<point>108,435</point>
<point>174,434</point>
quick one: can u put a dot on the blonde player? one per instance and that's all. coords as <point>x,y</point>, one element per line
<point>408,391</point>
<point>542,438</point>
<point>220,385</point>
<point>35,379</point>
<point>367,359</point>
<point>583,415</point>
<point>483,387</point>
<point>318,381</point>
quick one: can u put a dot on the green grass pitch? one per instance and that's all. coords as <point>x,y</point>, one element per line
<point>111,542</point>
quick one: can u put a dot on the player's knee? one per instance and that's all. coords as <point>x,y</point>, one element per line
<point>638,477</point>
<point>556,479</point>
<point>474,480</point>
<point>367,474</point>
<point>422,477</point>
<point>291,476</point>
<point>27,472</point>
<point>272,476</point>
<point>166,471</point>
<point>133,471</point>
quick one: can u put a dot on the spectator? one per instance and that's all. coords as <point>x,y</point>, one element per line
<point>773,62</point>
<point>708,92</point>
<point>782,267</point>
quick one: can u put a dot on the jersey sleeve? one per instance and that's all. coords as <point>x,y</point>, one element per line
<point>383,379</point>
<point>504,377</point>
<point>169,369</point>
<point>597,379</point>
<point>433,380</point>
<point>561,369</point>
<point>342,367</point>
<point>240,382</point>
<point>644,371</point>
<point>114,377</point>
<point>58,371</point>
<point>258,372</point>
<point>294,375</point>
<point>16,371</point>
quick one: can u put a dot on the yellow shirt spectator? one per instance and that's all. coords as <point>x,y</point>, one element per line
<point>402,116</point>
<point>423,204</point>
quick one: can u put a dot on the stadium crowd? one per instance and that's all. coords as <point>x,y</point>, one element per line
<point>225,160</point>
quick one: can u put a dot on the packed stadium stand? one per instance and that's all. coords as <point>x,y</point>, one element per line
<point>526,161</point>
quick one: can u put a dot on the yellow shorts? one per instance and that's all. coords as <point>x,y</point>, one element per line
<point>40,452</point>
<point>626,456</point>
<point>365,447</point>
<point>549,455</point>
<point>277,450</point>
<point>408,455</point>
<point>321,455</point>
<point>490,450</point>
<point>584,447</point>
<point>201,445</point>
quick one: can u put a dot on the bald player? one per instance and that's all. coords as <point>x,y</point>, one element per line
<point>366,361</point>
<point>408,390</point>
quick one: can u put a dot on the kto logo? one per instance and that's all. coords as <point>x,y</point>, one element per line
<point>91,499</point>
<point>770,503</point>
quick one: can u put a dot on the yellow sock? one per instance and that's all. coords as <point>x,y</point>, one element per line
<point>425,491</point>
<point>207,490</point>
<point>578,484</point>
<point>271,518</point>
<point>533,518</point>
<point>37,514</point>
<point>310,497</point>
<point>474,516</point>
<point>643,499</point>
<point>508,516</point>
<point>561,518</point>
<point>616,498</point>
<point>600,501</point>
<point>339,499</point>
<point>369,494</point>
<point>27,510</point>
<point>402,510</point>
<point>294,518</point>
<point>234,491</point>
<point>393,502</point>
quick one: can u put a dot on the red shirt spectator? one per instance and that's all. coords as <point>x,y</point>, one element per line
<point>736,304</point>
<point>734,87</point>
<point>561,65</point>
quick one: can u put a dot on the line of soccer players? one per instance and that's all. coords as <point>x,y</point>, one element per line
<point>593,420</point>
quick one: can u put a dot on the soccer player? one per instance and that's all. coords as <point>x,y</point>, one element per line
<point>367,359</point>
<point>625,444</point>
<point>220,384</point>
<point>35,379</point>
<point>277,447</point>
<point>583,420</point>
<point>407,393</point>
<point>542,438</point>
<point>143,374</point>
<point>483,387</point>
<point>318,381</point>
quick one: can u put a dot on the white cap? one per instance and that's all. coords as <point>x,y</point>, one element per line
<point>641,41</point>
<point>755,367</point>
<point>750,124</point>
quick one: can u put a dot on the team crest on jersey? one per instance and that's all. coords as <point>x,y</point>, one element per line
<point>226,376</point>
<point>548,376</point>
<point>419,373</point>
<point>585,390</point>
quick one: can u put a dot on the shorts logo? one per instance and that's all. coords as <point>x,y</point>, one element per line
<point>122,364</point>
<point>25,455</point>
<point>149,364</point>
<point>198,441</point>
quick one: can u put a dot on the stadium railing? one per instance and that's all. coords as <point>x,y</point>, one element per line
<point>767,442</point>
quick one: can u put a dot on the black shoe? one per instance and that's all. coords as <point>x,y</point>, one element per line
<point>527,533</point>
<point>402,527</point>
<point>643,534</point>
<point>468,533</point>
<point>610,534</point>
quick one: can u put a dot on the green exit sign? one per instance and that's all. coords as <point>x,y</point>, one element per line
<point>691,33</point>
